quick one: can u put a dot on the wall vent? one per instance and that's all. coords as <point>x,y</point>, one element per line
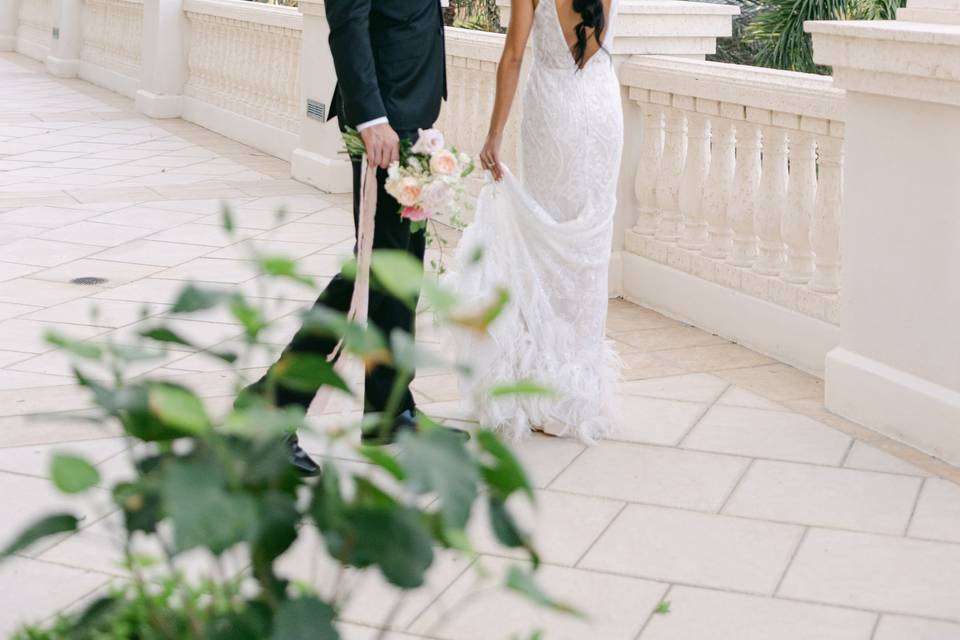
<point>316,110</point>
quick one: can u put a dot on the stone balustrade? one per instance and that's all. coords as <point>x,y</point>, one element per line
<point>111,43</point>
<point>472,60</point>
<point>244,59</point>
<point>33,33</point>
<point>739,184</point>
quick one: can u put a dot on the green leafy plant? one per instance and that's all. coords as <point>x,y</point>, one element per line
<point>777,28</point>
<point>222,486</point>
<point>480,15</point>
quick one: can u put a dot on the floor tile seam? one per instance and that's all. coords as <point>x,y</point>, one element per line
<point>703,414</point>
<point>436,598</point>
<point>601,533</point>
<point>913,510</point>
<point>754,519</point>
<point>649,619</point>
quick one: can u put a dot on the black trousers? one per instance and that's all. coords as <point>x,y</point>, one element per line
<point>386,312</point>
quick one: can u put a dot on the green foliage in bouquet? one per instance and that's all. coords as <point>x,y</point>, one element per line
<point>223,486</point>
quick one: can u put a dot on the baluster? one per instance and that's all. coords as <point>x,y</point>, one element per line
<point>645,184</point>
<point>716,196</point>
<point>694,176</point>
<point>826,216</point>
<point>668,180</point>
<point>771,198</point>
<point>746,179</point>
<point>795,227</point>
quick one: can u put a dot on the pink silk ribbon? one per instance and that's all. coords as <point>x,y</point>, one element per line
<point>360,302</point>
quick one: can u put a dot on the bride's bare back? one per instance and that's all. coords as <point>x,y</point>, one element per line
<point>569,19</point>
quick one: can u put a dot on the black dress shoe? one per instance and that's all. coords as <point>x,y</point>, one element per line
<point>299,458</point>
<point>403,422</point>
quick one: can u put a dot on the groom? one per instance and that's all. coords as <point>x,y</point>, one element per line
<point>389,57</point>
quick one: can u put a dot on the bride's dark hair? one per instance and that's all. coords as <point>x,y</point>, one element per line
<point>591,17</point>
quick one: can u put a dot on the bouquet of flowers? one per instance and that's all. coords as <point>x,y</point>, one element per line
<point>428,180</point>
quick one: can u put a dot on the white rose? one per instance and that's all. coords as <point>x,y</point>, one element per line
<point>429,142</point>
<point>436,196</point>
<point>443,163</point>
<point>405,190</point>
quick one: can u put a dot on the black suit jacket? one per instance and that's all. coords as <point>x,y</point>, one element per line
<point>389,57</point>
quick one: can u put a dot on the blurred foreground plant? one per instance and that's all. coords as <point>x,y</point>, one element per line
<point>224,488</point>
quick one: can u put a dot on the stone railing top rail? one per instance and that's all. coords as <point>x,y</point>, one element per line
<point>476,45</point>
<point>275,16</point>
<point>790,92</point>
<point>661,7</point>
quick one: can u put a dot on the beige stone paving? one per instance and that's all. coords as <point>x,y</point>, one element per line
<point>728,490</point>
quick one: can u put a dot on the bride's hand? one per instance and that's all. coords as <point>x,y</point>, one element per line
<point>490,156</point>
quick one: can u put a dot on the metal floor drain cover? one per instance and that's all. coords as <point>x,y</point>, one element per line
<point>88,280</point>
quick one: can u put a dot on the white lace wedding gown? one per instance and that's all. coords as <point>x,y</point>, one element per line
<point>546,240</point>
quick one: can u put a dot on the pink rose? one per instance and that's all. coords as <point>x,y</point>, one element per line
<point>415,214</point>
<point>429,142</point>
<point>443,163</point>
<point>436,196</point>
<point>406,191</point>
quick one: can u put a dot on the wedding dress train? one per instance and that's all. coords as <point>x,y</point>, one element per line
<point>546,240</point>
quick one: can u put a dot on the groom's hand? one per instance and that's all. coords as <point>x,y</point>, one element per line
<point>382,144</point>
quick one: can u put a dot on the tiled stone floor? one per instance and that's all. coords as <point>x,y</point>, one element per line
<point>728,491</point>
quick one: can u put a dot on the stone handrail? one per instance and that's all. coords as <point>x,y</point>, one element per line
<point>739,178</point>
<point>244,58</point>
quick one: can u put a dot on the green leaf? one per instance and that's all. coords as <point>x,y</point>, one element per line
<point>283,267</point>
<point>249,316</point>
<point>395,539</point>
<point>226,218</point>
<point>366,342</point>
<point>506,475</point>
<point>305,618</point>
<point>72,474</point>
<point>437,460</point>
<point>80,349</point>
<point>193,298</point>
<point>398,273</point>
<point>203,512</point>
<point>166,335</point>
<point>141,505</point>
<point>178,407</point>
<point>45,527</point>
<point>522,388</point>
<point>278,524</point>
<point>663,607</point>
<point>522,582</point>
<point>506,530</point>
<point>259,421</point>
<point>384,460</point>
<point>441,300</point>
<point>307,372</point>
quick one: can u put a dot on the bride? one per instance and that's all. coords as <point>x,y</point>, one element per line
<point>545,238</point>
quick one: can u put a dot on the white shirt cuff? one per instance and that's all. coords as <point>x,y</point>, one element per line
<point>371,123</point>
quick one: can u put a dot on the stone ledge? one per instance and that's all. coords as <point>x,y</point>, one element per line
<point>916,61</point>
<point>780,91</point>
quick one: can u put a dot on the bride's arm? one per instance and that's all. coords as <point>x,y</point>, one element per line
<point>508,76</point>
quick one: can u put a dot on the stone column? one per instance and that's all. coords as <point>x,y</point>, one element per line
<point>164,59</point>
<point>317,160</point>
<point>63,60</point>
<point>9,19</point>
<point>897,369</point>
